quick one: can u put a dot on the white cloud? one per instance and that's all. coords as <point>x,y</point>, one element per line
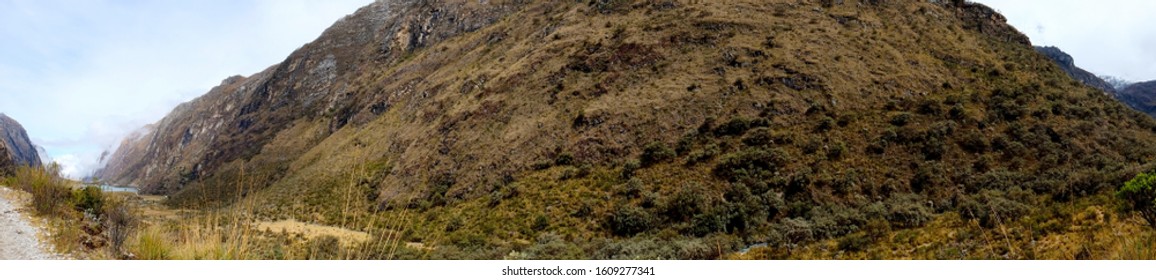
<point>82,74</point>
<point>1105,37</point>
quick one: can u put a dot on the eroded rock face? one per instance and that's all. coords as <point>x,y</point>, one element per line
<point>15,147</point>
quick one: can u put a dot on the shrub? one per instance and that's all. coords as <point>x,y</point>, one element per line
<point>991,208</point>
<point>973,142</point>
<point>564,159</point>
<point>907,211</point>
<point>551,246</point>
<point>854,242</point>
<point>707,223</point>
<point>825,124</point>
<point>629,168</point>
<point>836,151</point>
<point>929,107</point>
<point>758,137</point>
<point>629,220</point>
<point>685,203</point>
<point>654,153</point>
<point>119,221</point>
<point>89,199</point>
<point>1139,194</point>
<point>700,156</point>
<point>736,126</point>
<point>750,162</point>
<point>901,119</point>
<point>50,194</point>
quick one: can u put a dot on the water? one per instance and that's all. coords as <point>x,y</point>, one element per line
<point>107,188</point>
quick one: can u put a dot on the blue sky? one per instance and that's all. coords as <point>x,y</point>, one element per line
<point>79,75</point>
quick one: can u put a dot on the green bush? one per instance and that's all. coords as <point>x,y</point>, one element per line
<point>655,152</point>
<point>992,208</point>
<point>901,119</point>
<point>89,199</point>
<point>629,168</point>
<point>907,210</point>
<point>1139,194</point>
<point>629,220</point>
<point>736,126</point>
<point>758,137</point>
<point>750,162</point>
<point>685,203</point>
<point>50,194</point>
<point>564,159</point>
<point>700,156</point>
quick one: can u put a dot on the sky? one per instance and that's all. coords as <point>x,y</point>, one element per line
<point>1107,37</point>
<point>80,75</point>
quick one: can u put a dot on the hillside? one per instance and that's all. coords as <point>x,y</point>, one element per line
<point>15,147</point>
<point>656,129</point>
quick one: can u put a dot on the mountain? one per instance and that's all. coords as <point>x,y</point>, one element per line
<point>659,129</point>
<point>42,154</point>
<point>1140,96</point>
<point>15,147</point>
<point>1117,83</point>
<point>1068,64</point>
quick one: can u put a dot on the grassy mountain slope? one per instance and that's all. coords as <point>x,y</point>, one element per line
<point>656,129</point>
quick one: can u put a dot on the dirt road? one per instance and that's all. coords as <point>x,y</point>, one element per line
<point>19,240</point>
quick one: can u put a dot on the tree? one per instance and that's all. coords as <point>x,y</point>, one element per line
<point>1140,195</point>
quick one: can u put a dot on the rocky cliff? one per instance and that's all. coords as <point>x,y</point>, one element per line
<point>15,147</point>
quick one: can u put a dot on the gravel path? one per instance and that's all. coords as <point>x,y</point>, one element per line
<point>18,239</point>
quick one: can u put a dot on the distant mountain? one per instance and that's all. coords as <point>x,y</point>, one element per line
<point>1117,83</point>
<point>43,154</point>
<point>1140,96</point>
<point>15,147</point>
<point>1068,64</point>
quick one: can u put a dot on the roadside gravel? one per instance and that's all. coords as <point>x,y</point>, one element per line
<point>19,240</point>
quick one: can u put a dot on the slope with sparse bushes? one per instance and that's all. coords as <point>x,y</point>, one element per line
<point>662,129</point>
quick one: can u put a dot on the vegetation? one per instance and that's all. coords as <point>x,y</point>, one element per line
<point>1139,194</point>
<point>897,130</point>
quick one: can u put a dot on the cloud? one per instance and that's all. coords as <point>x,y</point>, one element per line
<point>1105,37</point>
<point>79,75</point>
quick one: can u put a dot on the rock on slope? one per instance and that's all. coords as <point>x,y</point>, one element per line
<point>15,147</point>
<point>489,123</point>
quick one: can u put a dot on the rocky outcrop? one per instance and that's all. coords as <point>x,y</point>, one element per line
<point>15,147</point>
<point>1068,64</point>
